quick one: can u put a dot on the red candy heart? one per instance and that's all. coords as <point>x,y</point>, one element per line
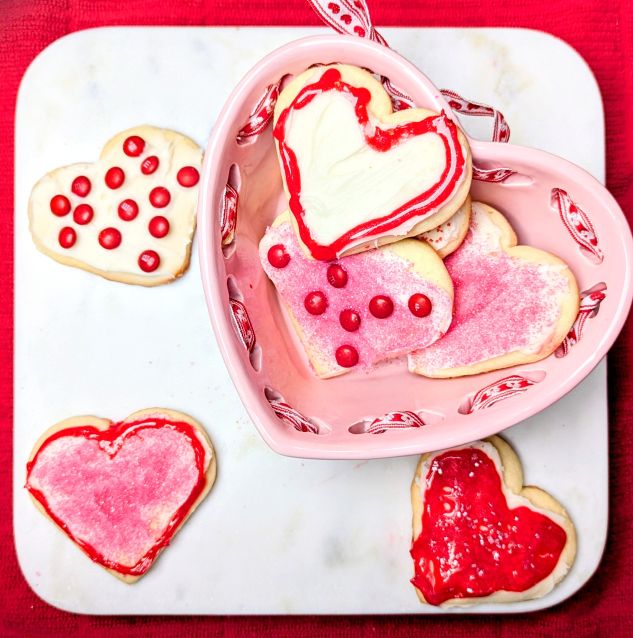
<point>472,543</point>
<point>122,490</point>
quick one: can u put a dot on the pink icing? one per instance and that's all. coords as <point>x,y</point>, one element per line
<point>502,304</point>
<point>117,498</point>
<point>375,272</point>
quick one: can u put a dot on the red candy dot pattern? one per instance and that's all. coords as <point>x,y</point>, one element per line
<point>332,303</point>
<point>130,214</point>
<point>110,238</point>
<point>60,205</point>
<point>278,257</point>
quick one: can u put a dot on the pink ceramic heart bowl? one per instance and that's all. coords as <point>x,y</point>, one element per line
<point>552,204</point>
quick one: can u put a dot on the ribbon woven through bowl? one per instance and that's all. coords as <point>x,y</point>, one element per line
<point>551,203</point>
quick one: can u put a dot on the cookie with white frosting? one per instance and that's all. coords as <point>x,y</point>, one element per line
<point>448,237</point>
<point>479,535</point>
<point>130,216</point>
<point>358,175</point>
<point>363,308</point>
<point>513,304</point>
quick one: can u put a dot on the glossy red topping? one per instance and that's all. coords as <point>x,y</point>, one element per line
<point>277,256</point>
<point>133,146</point>
<point>377,139</point>
<point>149,165</point>
<point>67,237</point>
<point>110,238</point>
<point>128,210</point>
<point>315,302</point>
<point>381,306</point>
<point>159,197</point>
<point>188,176</point>
<point>122,493</point>
<point>346,356</point>
<point>83,214</point>
<point>420,305</point>
<point>472,544</point>
<point>336,275</point>
<point>81,186</point>
<point>148,260</point>
<point>350,320</point>
<point>60,205</point>
<point>158,226</point>
<point>115,177</point>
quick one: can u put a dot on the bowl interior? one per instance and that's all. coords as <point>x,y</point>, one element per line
<point>339,412</point>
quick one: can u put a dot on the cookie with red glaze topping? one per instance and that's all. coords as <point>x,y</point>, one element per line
<point>479,535</point>
<point>121,491</point>
<point>128,217</point>
<point>363,308</point>
<point>358,175</point>
<point>513,304</point>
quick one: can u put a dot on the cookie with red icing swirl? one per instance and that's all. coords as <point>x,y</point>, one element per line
<point>358,175</point>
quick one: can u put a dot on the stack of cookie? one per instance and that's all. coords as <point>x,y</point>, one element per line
<point>382,252</point>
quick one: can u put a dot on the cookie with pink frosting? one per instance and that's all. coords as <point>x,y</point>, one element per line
<point>513,304</point>
<point>448,237</point>
<point>120,491</point>
<point>364,308</point>
<point>356,174</point>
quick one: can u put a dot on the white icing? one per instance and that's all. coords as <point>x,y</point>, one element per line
<point>136,238</point>
<point>344,182</point>
<point>513,500</point>
<point>447,232</point>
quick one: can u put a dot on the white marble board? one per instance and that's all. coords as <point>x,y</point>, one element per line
<point>276,535</point>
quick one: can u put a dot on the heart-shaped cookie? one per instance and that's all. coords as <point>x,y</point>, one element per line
<point>128,217</point>
<point>365,307</point>
<point>357,174</point>
<point>479,535</point>
<point>448,237</point>
<point>513,304</point>
<point>121,491</point>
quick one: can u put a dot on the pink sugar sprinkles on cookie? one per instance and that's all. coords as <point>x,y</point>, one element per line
<point>361,309</point>
<point>120,491</point>
<point>513,304</point>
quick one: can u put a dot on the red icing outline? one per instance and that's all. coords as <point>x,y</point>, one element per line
<point>116,435</point>
<point>486,494</point>
<point>381,140</point>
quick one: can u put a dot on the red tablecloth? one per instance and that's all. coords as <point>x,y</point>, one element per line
<point>602,31</point>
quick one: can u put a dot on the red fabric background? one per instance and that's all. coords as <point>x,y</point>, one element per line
<point>602,31</point>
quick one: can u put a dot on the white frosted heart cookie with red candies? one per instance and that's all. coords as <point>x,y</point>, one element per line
<point>120,491</point>
<point>364,308</point>
<point>358,175</point>
<point>479,535</point>
<point>513,304</point>
<point>448,237</point>
<point>128,217</point>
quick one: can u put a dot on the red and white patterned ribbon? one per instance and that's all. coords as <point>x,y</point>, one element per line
<point>590,301</point>
<point>262,115</point>
<point>494,175</point>
<point>228,217</point>
<point>498,391</point>
<point>500,130</point>
<point>351,17</point>
<point>292,417</point>
<point>395,421</point>
<point>577,223</point>
<point>242,324</point>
